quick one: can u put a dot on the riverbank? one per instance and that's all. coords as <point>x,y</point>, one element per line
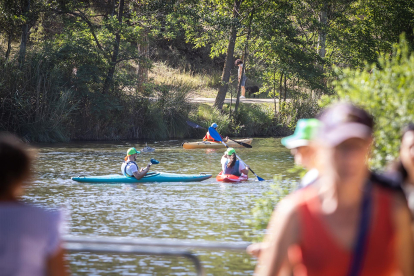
<point>55,105</point>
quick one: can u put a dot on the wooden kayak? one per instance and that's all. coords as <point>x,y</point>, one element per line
<point>215,145</point>
<point>230,178</point>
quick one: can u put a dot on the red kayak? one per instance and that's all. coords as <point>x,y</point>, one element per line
<point>230,178</point>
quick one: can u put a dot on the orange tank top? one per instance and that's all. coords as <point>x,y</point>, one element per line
<point>319,253</point>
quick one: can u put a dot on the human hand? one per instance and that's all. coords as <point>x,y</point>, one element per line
<point>254,249</point>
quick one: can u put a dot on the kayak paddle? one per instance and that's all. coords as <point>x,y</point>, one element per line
<point>241,143</point>
<point>194,125</point>
<point>217,137</point>
<point>153,161</point>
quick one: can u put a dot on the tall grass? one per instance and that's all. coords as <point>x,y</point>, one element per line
<point>34,102</point>
<point>200,85</point>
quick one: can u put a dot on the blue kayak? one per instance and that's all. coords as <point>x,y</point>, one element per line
<point>150,177</point>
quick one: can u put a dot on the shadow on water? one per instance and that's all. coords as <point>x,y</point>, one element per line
<point>205,210</point>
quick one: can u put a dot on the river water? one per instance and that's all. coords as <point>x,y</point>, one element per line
<point>205,210</point>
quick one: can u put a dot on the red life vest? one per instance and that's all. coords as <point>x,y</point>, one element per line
<point>318,252</point>
<point>207,137</point>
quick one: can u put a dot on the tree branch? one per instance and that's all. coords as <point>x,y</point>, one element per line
<point>84,18</point>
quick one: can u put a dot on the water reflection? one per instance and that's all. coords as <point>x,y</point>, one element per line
<point>205,210</point>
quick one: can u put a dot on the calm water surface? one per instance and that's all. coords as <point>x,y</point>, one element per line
<point>205,210</point>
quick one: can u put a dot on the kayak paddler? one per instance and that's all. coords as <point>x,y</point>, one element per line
<point>230,164</point>
<point>207,137</point>
<point>130,168</point>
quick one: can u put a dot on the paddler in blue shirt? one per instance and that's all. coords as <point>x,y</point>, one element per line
<point>208,137</point>
<point>230,164</point>
<point>130,168</point>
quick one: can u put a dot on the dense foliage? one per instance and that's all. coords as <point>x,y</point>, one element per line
<point>79,69</point>
<point>385,89</point>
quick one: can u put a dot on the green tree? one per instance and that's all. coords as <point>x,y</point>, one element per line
<point>385,89</point>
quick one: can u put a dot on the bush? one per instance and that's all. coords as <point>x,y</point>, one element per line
<point>35,102</point>
<point>265,205</point>
<point>386,91</point>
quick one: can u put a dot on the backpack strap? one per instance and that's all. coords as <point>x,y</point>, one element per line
<point>360,246</point>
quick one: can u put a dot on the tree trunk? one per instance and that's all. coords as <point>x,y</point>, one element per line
<point>9,39</point>
<point>142,70</point>
<point>274,90</point>
<point>25,35</point>
<point>285,89</point>
<point>246,46</point>
<point>280,91</point>
<point>224,86</point>
<point>323,21</point>
<point>111,71</point>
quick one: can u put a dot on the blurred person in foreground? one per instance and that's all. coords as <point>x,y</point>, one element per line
<point>403,167</point>
<point>303,152</point>
<point>345,223</point>
<point>30,241</point>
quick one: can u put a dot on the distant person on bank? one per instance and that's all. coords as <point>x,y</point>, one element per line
<point>130,168</point>
<point>30,236</point>
<point>208,137</point>
<point>346,221</point>
<point>242,81</point>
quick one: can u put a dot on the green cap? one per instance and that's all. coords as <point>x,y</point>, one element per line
<point>230,151</point>
<point>132,151</point>
<point>305,131</point>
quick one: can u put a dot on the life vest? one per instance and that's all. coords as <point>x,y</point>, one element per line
<point>233,170</point>
<point>207,137</point>
<point>124,167</point>
<point>320,253</point>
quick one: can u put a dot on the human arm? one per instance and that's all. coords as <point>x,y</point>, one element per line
<point>141,173</point>
<point>243,168</point>
<point>282,232</point>
<point>223,162</point>
<point>56,264</point>
<point>404,236</point>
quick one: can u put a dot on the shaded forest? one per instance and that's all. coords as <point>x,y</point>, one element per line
<point>79,69</point>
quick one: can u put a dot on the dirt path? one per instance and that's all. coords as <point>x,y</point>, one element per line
<point>227,100</point>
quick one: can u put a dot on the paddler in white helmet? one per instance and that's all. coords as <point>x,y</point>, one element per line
<point>208,137</point>
<point>130,168</point>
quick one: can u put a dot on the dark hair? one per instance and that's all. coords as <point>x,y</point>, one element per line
<point>233,160</point>
<point>238,62</point>
<point>15,162</point>
<point>397,166</point>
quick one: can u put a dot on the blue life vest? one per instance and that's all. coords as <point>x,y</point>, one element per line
<point>124,167</point>
<point>234,170</point>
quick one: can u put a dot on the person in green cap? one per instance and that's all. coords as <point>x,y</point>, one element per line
<point>130,168</point>
<point>231,165</point>
<point>300,146</point>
